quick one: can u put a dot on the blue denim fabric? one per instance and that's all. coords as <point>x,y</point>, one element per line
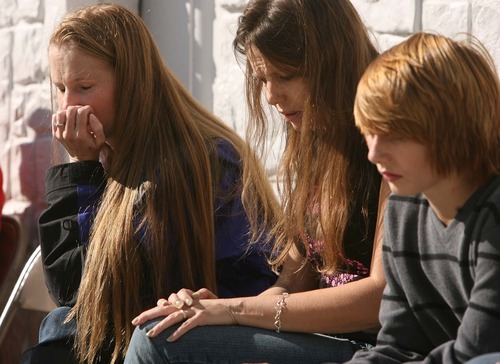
<point>53,327</point>
<point>491,358</point>
<point>236,344</point>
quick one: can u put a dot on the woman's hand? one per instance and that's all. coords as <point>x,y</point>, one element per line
<point>194,308</point>
<point>80,132</point>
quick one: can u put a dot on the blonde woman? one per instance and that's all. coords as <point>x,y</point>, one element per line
<point>159,194</point>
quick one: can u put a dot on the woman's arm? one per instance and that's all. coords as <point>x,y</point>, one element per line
<point>351,307</point>
<point>72,193</point>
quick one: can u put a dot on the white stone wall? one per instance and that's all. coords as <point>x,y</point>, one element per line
<point>25,140</point>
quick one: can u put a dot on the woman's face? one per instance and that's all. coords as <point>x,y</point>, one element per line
<point>81,79</point>
<point>287,93</point>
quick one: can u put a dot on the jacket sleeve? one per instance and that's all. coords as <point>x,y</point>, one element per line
<point>242,268</point>
<point>72,192</point>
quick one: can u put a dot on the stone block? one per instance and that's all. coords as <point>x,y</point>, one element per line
<point>28,10</point>
<point>5,97</point>
<point>7,13</point>
<point>446,17</point>
<point>234,6</point>
<point>28,101</point>
<point>485,25</point>
<point>386,41</point>
<point>27,54</point>
<point>387,16</point>
<point>5,54</point>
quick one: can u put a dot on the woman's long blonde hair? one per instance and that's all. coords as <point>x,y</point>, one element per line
<point>154,229</point>
<point>326,177</point>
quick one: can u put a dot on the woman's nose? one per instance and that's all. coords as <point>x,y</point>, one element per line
<point>67,99</point>
<point>274,93</point>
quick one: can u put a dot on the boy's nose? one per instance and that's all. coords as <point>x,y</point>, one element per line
<point>375,148</point>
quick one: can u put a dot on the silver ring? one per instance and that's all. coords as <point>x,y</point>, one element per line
<point>184,314</point>
<point>58,124</point>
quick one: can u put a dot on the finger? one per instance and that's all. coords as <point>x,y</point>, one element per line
<point>181,330</point>
<point>186,296</point>
<point>175,318</point>
<point>204,293</point>
<point>82,119</point>
<point>58,123</point>
<point>96,130</point>
<point>71,127</point>
<point>162,302</point>
<point>55,125</point>
<point>153,313</point>
<point>175,300</point>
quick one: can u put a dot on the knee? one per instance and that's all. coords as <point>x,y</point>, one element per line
<point>490,358</point>
<point>142,349</point>
<point>54,327</point>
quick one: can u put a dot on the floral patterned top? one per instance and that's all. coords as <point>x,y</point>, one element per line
<point>354,269</point>
<point>358,247</point>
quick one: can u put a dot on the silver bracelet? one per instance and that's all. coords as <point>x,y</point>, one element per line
<point>280,305</point>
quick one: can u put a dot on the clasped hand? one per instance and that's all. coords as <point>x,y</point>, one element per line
<point>79,131</point>
<point>193,309</point>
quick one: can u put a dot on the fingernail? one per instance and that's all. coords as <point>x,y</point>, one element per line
<point>189,301</point>
<point>170,338</point>
<point>195,295</point>
<point>165,303</point>
<point>178,304</point>
<point>135,321</point>
<point>150,333</point>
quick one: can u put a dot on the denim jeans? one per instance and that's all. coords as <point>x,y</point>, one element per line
<point>236,344</point>
<point>491,358</point>
<point>53,327</point>
<point>56,340</point>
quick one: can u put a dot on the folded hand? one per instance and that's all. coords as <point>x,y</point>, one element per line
<point>198,308</point>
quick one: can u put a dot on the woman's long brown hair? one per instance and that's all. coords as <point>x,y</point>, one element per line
<point>325,176</point>
<point>154,228</point>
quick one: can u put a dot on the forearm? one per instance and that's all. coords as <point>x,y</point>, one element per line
<point>63,246</point>
<point>347,308</point>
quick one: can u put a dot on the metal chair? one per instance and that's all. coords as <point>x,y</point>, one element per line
<point>29,291</point>
<point>13,247</point>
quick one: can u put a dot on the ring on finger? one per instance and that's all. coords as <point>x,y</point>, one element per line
<point>59,124</point>
<point>184,314</point>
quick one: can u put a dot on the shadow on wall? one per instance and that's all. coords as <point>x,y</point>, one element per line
<point>35,158</point>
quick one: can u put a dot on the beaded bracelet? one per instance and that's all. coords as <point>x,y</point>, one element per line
<point>280,305</point>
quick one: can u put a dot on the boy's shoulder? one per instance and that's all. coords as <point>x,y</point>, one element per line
<point>490,198</point>
<point>492,190</point>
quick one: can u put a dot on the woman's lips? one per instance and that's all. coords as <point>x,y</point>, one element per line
<point>390,177</point>
<point>292,116</point>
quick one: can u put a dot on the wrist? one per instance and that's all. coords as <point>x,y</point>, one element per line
<point>280,308</point>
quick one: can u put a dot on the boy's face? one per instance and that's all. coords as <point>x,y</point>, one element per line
<point>403,163</point>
